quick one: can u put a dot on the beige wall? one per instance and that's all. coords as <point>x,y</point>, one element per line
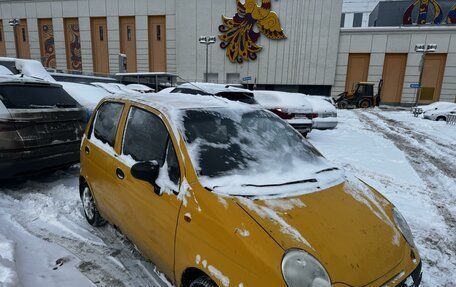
<point>84,9</point>
<point>379,41</point>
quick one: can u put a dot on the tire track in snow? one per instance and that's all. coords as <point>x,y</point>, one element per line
<point>426,165</point>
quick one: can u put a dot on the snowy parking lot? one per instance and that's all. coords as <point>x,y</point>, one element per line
<point>46,241</point>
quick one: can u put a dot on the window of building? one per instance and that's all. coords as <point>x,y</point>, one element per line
<point>342,20</point>
<point>233,78</point>
<point>357,19</point>
<point>106,122</point>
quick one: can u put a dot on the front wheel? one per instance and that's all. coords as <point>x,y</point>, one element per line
<point>90,209</point>
<point>342,104</point>
<point>203,281</point>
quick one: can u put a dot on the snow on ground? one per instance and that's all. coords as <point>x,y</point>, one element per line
<point>412,162</point>
<point>46,241</point>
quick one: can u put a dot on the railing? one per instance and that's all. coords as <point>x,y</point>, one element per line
<point>417,111</point>
<point>451,119</point>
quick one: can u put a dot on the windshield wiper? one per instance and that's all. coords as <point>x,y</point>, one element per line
<point>281,184</point>
<point>326,170</point>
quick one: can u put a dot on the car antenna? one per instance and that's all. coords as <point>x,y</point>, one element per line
<point>199,88</point>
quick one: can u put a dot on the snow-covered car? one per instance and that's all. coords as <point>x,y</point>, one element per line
<point>440,114</point>
<point>219,193</point>
<point>87,96</point>
<point>30,68</point>
<point>324,114</point>
<point>436,106</point>
<point>41,127</point>
<point>293,108</point>
<point>225,91</point>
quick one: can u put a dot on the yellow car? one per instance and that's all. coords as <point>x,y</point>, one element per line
<point>218,193</point>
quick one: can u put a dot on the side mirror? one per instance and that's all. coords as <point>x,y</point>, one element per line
<point>147,171</point>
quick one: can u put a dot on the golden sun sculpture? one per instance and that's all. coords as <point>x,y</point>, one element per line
<point>238,37</point>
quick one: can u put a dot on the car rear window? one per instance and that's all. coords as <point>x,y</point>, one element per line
<point>239,97</point>
<point>35,97</point>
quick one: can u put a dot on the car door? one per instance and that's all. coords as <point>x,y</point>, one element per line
<point>98,157</point>
<point>150,219</point>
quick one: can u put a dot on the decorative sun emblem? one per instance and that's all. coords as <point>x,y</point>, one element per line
<point>238,37</point>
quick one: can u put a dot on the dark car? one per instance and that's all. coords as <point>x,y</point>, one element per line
<point>225,91</point>
<point>41,127</point>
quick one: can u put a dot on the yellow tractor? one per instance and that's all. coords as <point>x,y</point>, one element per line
<point>362,96</point>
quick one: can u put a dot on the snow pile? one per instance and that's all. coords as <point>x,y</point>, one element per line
<point>33,69</point>
<point>8,274</point>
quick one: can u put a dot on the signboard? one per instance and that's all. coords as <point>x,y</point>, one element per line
<point>415,86</point>
<point>248,78</point>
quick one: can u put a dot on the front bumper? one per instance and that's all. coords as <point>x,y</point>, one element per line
<point>414,279</point>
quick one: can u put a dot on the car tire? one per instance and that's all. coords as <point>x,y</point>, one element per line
<point>364,104</point>
<point>441,119</point>
<point>203,281</point>
<point>342,105</point>
<point>90,209</point>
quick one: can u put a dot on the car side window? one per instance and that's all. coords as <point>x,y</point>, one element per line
<point>106,122</point>
<point>146,138</point>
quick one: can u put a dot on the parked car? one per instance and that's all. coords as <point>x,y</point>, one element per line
<point>220,90</point>
<point>293,108</point>
<point>440,114</point>
<point>218,193</point>
<point>324,114</point>
<point>436,106</point>
<point>87,96</point>
<point>41,127</point>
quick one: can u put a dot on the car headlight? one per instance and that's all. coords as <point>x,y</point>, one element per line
<point>403,226</point>
<point>300,269</point>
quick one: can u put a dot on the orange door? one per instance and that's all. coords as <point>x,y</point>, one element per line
<point>22,40</point>
<point>72,44</point>
<point>157,43</point>
<point>357,70</point>
<point>47,47</point>
<point>431,83</point>
<point>2,40</point>
<point>100,45</point>
<point>128,41</point>
<point>393,77</point>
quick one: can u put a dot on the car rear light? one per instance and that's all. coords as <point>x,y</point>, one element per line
<point>312,116</point>
<point>283,114</point>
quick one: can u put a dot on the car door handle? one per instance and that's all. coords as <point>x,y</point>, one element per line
<point>87,150</point>
<point>120,174</point>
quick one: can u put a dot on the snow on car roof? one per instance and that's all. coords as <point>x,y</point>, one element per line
<point>213,88</point>
<point>278,99</point>
<point>169,102</point>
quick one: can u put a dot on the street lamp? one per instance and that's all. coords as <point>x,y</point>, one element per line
<point>424,49</point>
<point>207,40</point>
<point>14,23</point>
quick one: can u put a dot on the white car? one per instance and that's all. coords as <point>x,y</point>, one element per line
<point>440,114</point>
<point>293,108</point>
<point>437,106</point>
<point>324,114</point>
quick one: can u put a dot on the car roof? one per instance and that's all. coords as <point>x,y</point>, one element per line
<point>213,88</point>
<point>169,103</point>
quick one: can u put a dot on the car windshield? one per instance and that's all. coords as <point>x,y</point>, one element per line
<point>251,149</point>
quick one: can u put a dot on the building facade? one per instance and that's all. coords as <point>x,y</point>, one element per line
<point>289,45</point>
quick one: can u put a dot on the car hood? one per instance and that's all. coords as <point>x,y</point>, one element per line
<point>348,228</point>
